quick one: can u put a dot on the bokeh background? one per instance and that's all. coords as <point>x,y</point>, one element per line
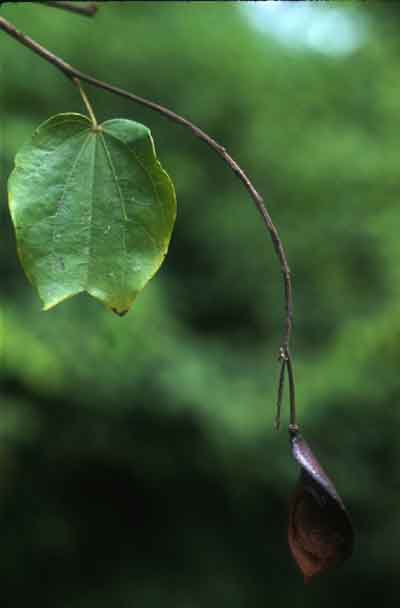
<point>138,461</point>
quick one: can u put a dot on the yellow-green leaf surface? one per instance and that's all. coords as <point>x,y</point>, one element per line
<point>93,210</point>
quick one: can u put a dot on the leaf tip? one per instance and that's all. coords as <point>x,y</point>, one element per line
<point>46,306</point>
<point>120,313</point>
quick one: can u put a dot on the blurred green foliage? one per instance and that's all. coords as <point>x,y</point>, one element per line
<point>138,461</point>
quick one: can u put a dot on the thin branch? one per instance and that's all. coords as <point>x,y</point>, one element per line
<point>72,73</point>
<point>281,383</point>
<point>88,10</point>
<point>292,393</point>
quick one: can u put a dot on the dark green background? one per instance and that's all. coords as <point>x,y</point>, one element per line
<point>138,461</point>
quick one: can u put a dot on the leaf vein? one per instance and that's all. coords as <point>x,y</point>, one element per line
<point>60,200</point>
<point>121,199</point>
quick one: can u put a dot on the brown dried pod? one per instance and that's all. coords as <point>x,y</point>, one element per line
<point>320,531</point>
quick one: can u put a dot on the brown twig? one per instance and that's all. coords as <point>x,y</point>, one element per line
<point>88,10</point>
<point>292,392</point>
<point>72,73</point>
<point>281,384</point>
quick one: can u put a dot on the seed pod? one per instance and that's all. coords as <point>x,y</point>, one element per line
<point>320,531</point>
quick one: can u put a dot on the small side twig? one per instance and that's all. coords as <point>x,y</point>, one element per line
<point>88,10</point>
<point>292,393</point>
<point>73,74</point>
<point>281,384</point>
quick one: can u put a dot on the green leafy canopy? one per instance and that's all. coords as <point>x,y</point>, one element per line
<point>93,209</point>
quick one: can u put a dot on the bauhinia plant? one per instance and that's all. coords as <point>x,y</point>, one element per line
<point>93,210</point>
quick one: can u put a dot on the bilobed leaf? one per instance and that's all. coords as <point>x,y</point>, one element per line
<point>92,208</point>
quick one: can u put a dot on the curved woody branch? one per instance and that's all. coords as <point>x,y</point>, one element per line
<point>88,10</point>
<point>73,74</point>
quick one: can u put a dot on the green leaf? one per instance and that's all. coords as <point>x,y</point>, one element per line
<point>92,208</point>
